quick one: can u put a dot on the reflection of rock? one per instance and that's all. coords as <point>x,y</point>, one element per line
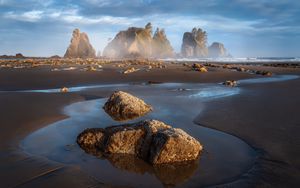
<point>130,163</point>
<point>217,49</point>
<point>194,43</point>
<point>80,46</point>
<point>123,106</point>
<point>169,174</point>
<point>173,145</point>
<point>176,173</point>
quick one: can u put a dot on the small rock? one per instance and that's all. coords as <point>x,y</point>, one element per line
<point>231,83</point>
<point>123,106</point>
<point>130,70</point>
<point>64,90</point>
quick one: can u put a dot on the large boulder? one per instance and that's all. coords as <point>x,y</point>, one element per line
<point>194,43</point>
<point>173,145</point>
<point>217,49</point>
<point>123,106</point>
<point>150,140</point>
<point>80,46</point>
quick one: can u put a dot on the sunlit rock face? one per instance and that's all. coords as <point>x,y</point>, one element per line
<point>124,106</point>
<point>161,46</point>
<point>150,140</point>
<point>217,49</point>
<point>130,43</point>
<point>194,43</point>
<point>173,145</point>
<point>139,42</point>
<point>80,46</point>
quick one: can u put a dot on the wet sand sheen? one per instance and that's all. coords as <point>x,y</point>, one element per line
<point>225,157</point>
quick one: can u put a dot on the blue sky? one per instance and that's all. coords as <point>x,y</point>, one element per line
<point>247,28</point>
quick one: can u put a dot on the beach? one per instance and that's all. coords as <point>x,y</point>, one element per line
<point>263,115</point>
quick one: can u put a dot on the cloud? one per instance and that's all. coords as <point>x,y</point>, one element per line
<point>235,23</point>
<point>30,16</point>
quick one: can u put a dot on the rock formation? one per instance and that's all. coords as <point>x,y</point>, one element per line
<point>138,42</point>
<point>150,140</point>
<point>194,43</point>
<point>132,42</point>
<point>17,56</point>
<point>123,106</point>
<point>217,49</point>
<point>80,46</point>
<point>173,145</point>
<point>161,46</point>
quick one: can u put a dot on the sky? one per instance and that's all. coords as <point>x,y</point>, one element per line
<point>247,28</point>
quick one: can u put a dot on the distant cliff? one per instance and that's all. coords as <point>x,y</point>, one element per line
<point>80,46</point>
<point>138,42</point>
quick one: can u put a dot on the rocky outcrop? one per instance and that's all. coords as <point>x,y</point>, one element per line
<point>150,140</point>
<point>17,56</point>
<point>138,42</point>
<point>123,106</point>
<point>80,46</point>
<point>173,145</point>
<point>194,43</point>
<point>132,42</point>
<point>217,49</point>
<point>161,46</point>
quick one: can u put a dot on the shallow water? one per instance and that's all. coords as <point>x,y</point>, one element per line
<point>224,158</point>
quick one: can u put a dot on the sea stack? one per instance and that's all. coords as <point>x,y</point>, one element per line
<point>134,42</point>
<point>217,49</point>
<point>194,43</point>
<point>139,42</point>
<point>80,46</point>
<point>161,46</point>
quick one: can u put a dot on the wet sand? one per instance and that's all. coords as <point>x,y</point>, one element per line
<point>267,117</point>
<point>277,120</point>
